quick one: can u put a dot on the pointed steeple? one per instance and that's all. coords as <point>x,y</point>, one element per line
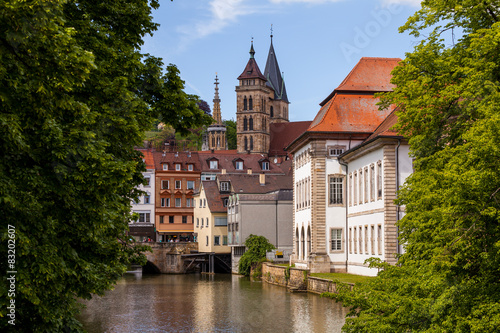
<point>252,70</point>
<point>273,75</point>
<point>217,114</point>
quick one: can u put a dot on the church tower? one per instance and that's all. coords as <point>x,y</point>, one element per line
<point>216,133</point>
<point>260,100</point>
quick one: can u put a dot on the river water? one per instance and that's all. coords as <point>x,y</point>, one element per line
<point>208,303</point>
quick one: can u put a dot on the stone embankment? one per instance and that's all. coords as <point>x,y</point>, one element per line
<point>296,279</point>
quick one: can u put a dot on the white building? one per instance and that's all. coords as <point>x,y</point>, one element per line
<point>338,206</point>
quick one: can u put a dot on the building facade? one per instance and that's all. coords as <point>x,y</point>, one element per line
<point>177,177</point>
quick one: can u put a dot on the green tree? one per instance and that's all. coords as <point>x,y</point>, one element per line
<point>76,96</point>
<point>256,246</point>
<point>449,99</point>
<point>231,133</point>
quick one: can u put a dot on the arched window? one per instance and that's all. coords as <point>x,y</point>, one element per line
<point>246,143</point>
<point>213,141</point>
<point>245,126</point>
<point>309,247</point>
<point>250,125</point>
<point>251,143</point>
<point>272,111</point>
<point>250,103</point>
<point>245,103</point>
<point>297,255</point>
<point>303,245</point>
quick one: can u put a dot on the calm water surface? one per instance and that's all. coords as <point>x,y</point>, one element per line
<point>208,303</point>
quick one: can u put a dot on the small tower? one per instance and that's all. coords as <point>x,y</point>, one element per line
<point>252,117</point>
<point>216,133</point>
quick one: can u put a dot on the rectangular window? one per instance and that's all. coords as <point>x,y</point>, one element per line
<point>365,186</point>
<point>184,219</point>
<point>177,167</point>
<point>216,240</point>
<point>197,222</point>
<point>355,192</point>
<point>147,181</point>
<point>350,189</point>
<point>177,184</point>
<point>350,240</point>
<point>144,218</point>
<point>190,184</point>
<point>190,167</point>
<point>165,184</point>
<point>177,202</point>
<point>165,202</point>
<point>171,219</point>
<point>265,165</point>
<point>165,166</point>
<point>239,165</point>
<point>379,180</point>
<point>146,199</point>
<point>189,202</point>
<point>224,186</point>
<point>213,164</point>
<point>161,219</point>
<point>220,221</point>
<point>336,150</point>
<point>366,239</point>
<point>201,203</point>
<point>204,203</point>
<point>336,191</point>
<point>372,182</point>
<point>355,240</point>
<point>379,239</point>
<point>372,239</point>
<point>360,187</point>
<point>224,240</point>
<point>207,241</point>
<point>360,240</point>
<point>336,239</point>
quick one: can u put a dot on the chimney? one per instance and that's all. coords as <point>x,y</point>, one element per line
<point>223,172</point>
<point>249,171</point>
<point>262,179</point>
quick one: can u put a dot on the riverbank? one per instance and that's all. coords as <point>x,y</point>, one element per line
<point>297,279</point>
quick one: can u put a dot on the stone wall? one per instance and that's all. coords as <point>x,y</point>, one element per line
<point>296,279</point>
<point>167,257</point>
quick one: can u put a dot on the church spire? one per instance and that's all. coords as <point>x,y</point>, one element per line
<point>273,74</point>
<point>217,113</point>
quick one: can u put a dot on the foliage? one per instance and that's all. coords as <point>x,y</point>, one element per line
<point>230,134</point>
<point>76,96</point>
<point>343,277</point>
<point>203,105</point>
<point>257,246</point>
<point>449,100</point>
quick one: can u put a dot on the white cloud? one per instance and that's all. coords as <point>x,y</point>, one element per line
<point>304,1</point>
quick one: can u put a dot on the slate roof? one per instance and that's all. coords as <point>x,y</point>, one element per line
<point>214,197</point>
<point>273,75</point>
<point>282,134</point>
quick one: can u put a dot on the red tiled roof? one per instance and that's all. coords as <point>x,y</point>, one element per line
<point>282,134</point>
<point>184,158</point>
<point>226,161</point>
<point>251,183</point>
<point>351,107</point>
<point>385,128</point>
<point>214,197</point>
<point>148,158</point>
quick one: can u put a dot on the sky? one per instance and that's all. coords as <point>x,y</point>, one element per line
<point>317,43</point>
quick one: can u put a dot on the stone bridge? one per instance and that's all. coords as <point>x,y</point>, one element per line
<point>169,257</point>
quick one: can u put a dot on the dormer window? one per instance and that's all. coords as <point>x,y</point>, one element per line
<point>165,166</point>
<point>265,165</point>
<point>224,186</point>
<point>190,167</point>
<point>177,167</point>
<point>214,164</point>
<point>238,165</point>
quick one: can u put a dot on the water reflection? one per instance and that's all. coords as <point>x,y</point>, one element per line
<point>208,303</point>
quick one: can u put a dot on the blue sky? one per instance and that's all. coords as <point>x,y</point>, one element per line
<point>317,42</point>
